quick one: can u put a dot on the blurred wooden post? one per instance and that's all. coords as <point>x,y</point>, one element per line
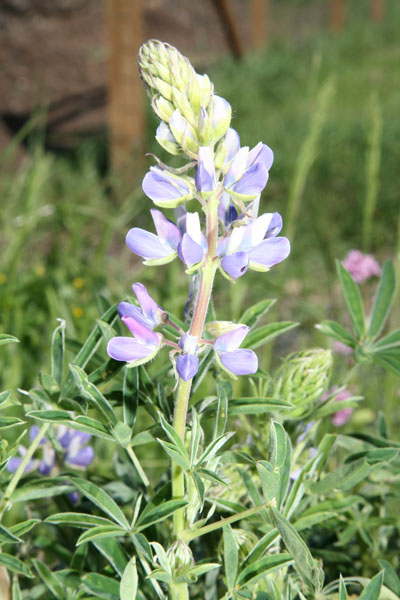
<point>258,23</point>
<point>337,14</point>
<point>377,10</point>
<point>125,94</point>
<point>229,24</point>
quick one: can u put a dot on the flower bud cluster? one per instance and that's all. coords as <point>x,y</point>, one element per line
<point>303,379</point>
<point>191,115</point>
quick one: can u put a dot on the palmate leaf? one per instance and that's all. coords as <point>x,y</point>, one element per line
<point>352,298</point>
<point>383,300</point>
<point>389,342</point>
<point>159,513</point>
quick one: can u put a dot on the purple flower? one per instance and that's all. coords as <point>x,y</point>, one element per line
<point>253,246</point>
<point>193,245</point>
<point>78,453</point>
<point>247,175</point>
<point>74,443</point>
<point>341,348</point>
<point>187,363</point>
<point>361,266</point>
<point>155,249</point>
<point>233,360</point>
<point>166,189</point>
<point>148,313</point>
<point>205,174</point>
<point>138,350</point>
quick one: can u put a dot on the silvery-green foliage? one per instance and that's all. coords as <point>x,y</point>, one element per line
<point>275,505</point>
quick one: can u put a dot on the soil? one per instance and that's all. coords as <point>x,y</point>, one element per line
<point>54,55</point>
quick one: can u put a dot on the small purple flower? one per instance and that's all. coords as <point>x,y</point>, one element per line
<point>205,174</point>
<point>361,266</point>
<point>78,453</point>
<point>253,246</point>
<point>248,172</point>
<point>155,249</point>
<point>193,245</point>
<point>148,313</point>
<point>74,443</point>
<point>231,358</point>
<point>187,363</point>
<point>342,349</point>
<point>166,189</point>
<point>138,350</point>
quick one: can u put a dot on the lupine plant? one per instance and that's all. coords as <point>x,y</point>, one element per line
<point>186,481</point>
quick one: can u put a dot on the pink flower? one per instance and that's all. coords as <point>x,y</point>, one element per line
<point>340,417</point>
<point>342,348</point>
<point>361,266</point>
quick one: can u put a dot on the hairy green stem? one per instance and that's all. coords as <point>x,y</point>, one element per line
<point>20,471</point>
<point>207,274</point>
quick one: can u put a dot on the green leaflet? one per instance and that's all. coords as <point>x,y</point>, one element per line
<point>129,581</point>
<point>383,300</point>
<point>102,500</point>
<point>15,565</point>
<point>231,556</point>
<point>265,334</point>
<point>304,562</point>
<point>352,298</point>
<point>50,579</point>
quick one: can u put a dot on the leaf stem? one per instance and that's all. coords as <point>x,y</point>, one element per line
<point>190,535</point>
<point>137,466</point>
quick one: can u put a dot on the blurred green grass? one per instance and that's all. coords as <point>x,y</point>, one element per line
<point>62,235</point>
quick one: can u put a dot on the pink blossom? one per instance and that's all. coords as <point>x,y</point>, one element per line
<point>342,348</point>
<point>340,417</point>
<point>361,266</point>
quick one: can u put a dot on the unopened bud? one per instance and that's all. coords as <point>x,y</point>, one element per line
<point>180,556</point>
<point>162,108</point>
<point>217,328</point>
<point>303,378</point>
<point>165,138</point>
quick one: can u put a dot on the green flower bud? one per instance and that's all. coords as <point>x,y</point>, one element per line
<point>161,65</point>
<point>303,379</point>
<point>165,138</point>
<point>180,556</point>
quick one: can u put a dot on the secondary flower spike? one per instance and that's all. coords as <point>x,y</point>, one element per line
<point>235,360</point>
<point>253,246</point>
<point>148,313</point>
<point>138,350</point>
<point>155,249</point>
